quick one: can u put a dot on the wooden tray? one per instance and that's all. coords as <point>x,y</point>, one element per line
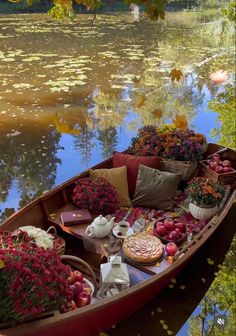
<point>226,178</point>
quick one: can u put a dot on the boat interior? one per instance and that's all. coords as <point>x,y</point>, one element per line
<point>45,212</point>
<point>88,254</point>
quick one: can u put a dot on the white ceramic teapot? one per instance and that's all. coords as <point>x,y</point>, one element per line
<point>100,227</point>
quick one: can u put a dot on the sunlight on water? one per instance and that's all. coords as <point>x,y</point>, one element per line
<point>70,95</point>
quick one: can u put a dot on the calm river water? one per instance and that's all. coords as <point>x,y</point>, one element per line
<point>71,95</point>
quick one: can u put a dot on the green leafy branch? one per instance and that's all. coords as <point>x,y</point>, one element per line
<point>155,9</point>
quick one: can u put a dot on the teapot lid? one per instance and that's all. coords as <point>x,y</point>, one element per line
<point>100,220</point>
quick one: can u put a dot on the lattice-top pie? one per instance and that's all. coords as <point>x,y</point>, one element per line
<point>143,247</point>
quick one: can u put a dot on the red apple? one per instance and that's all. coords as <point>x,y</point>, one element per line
<point>226,163</point>
<point>215,157</point>
<point>213,165</point>
<point>83,299</point>
<point>71,279</point>
<point>169,224</point>
<point>159,223</point>
<point>79,286</point>
<point>161,230</point>
<point>71,305</point>
<point>171,248</point>
<point>227,169</point>
<point>219,169</point>
<point>74,289</point>
<point>78,276</point>
<point>87,288</point>
<point>177,231</point>
<point>180,226</point>
<point>63,308</point>
<point>173,235</point>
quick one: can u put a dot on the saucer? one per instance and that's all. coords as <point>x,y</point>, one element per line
<point>115,232</point>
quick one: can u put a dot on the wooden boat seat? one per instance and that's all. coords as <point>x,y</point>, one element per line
<point>77,231</point>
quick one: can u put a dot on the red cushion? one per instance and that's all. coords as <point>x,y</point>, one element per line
<point>132,163</point>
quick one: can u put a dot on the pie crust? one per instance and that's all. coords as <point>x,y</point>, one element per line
<point>142,247</point>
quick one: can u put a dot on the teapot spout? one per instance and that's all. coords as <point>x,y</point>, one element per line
<point>112,220</point>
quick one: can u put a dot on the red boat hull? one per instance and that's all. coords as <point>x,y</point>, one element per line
<point>99,319</point>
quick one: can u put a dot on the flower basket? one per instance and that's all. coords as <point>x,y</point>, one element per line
<point>201,212</point>
<point>33,280</point>
<point>169,142</point>
<point>59,243</point>
<point>204,194</point>
<point>184,168</point>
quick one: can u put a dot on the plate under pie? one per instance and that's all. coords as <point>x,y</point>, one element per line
<point>143,248</point>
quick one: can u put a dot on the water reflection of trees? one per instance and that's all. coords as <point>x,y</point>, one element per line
<point>84,143</point>
<point>110,110</point>
<point>108,140</point>
<point>30,159</point>
<point>220,300</point>
<point>170,99</point>
<point>186,96</point>
<point>225,105</point>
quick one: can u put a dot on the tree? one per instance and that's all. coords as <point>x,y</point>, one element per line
<point>155,9</point>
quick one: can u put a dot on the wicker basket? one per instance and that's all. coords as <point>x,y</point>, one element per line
<point>184,168</point>
<point>81,265</point>
<point>59,243</point>
<point>202,213</point>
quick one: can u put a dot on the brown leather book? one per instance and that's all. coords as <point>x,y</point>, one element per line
<point>76,217</point>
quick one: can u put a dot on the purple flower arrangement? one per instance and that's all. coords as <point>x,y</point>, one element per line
<point>168,142</point>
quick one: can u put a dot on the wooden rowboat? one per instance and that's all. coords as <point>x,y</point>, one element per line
<point>101,315</point>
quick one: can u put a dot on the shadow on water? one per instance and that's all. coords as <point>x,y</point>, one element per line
<point>175,305</point>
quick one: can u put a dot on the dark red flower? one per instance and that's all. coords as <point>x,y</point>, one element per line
<point>97,195</point>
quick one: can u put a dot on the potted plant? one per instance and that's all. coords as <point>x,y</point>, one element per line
<point>204,195</point>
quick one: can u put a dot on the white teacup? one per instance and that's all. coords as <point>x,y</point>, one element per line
<point>123,227</point>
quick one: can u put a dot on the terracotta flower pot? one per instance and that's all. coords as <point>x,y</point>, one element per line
<point>202,212</point>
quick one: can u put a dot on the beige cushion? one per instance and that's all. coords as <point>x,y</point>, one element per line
<point>118,178</point>
<point>155,189</point>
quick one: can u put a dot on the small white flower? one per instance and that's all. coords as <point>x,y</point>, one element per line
<point>41,237</point>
